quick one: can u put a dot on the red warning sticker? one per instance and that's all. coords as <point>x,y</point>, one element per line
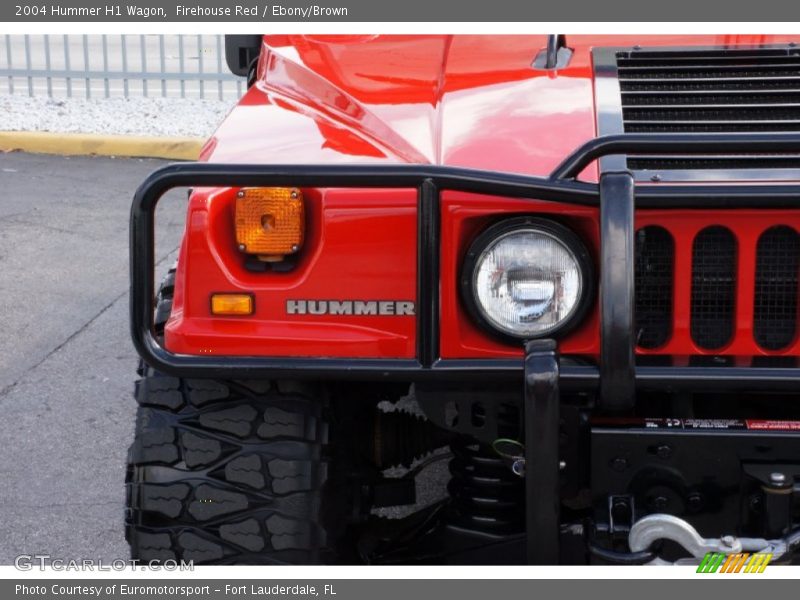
<point>705,424</point>
<point>766,425</point>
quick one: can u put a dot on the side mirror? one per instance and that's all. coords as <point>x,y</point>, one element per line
<point>240,52</point>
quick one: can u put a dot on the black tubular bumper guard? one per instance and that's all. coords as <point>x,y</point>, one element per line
<point>543,372</point>
<point>617,375</point>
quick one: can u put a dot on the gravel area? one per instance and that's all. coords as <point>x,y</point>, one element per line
<point>119,116</point>
<point>432,469</point>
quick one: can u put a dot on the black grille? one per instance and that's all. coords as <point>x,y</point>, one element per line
<point>775,311</point>
<point>714,91</point>
<point>713,287</point>
<point>654,261</point>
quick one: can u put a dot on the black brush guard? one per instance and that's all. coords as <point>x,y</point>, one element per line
<point>617,374</point>
<point>616,378</point>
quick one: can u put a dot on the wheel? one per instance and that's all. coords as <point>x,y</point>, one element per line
<point>231,472</point>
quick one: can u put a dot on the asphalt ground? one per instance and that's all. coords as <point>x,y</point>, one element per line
<point>67,365</point>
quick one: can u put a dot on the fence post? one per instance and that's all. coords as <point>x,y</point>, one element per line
<point>200,64</point>
<point>143,48</point>
<point>106,86</point>
<point>88,80</point>
<point>10,64</point>
<point>181,65</point>
<point>124,50</point>
<point>47,65</point>
<point>28,64</point>
<point>219,67</point>
<point>67,67</point>
<point>163,65</point>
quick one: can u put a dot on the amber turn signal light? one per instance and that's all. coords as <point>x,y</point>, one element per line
<point>231,304</point>
<point>270,222</point>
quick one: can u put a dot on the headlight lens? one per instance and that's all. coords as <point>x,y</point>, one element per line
<point>528,282</point>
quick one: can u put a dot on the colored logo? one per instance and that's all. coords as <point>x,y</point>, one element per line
<point>744,562</point>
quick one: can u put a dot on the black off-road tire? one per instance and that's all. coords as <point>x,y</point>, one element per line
<point>230,472</point>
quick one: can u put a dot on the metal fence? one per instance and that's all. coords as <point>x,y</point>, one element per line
<point>185,66</point>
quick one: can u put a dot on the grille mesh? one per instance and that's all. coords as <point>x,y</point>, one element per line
<point>653,273</point>
<point>713,91</point>
<point>713,287</point>
<point>776,289</point>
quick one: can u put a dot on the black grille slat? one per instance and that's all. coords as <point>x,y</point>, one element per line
<point>714,260</point>
<point>710,72</point>
<point>691,114</point>
<point>717,98</point>
<point>689,105</point>
<point>653,275</point>
<point>681,85</point>
<point>732,52</point>
<point>710,127</point>
<point>663,79</point>
<point>708,61</point>
<point>750,90</point>
<point>715,162</point>
<point>776,288</point>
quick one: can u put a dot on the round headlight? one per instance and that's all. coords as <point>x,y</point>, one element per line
<point>528,278</point>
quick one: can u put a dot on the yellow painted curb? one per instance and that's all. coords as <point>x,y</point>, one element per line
<point>42,142</point>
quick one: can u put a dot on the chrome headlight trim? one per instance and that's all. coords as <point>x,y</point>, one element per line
<point>490,238</point>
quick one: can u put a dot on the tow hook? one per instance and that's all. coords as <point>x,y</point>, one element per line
<point>653,528</point>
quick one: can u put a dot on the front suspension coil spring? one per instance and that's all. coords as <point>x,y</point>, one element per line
<point>486,496</point>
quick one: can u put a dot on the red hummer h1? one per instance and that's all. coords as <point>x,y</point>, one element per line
<point>566,264</point>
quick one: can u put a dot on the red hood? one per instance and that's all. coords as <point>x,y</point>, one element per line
<point>470,101</point>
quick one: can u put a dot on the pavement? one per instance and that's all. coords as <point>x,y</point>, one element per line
<point>67,365</point>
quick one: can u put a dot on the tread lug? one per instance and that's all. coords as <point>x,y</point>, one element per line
<point>246,469</point>
<point>237,421</point>
<point>282,423</point>
<point>164,499</point>
<point>210,502</point>
<point>198,450</point>
<point>246,534</point>
<point>199,549</point>
<point>155,446</point>
<point>203,391</point>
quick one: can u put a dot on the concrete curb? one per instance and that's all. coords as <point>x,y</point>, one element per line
<point>43,142</point>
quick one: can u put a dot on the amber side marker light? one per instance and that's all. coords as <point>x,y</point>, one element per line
<point>231,304</point>
<point>270,222</point>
